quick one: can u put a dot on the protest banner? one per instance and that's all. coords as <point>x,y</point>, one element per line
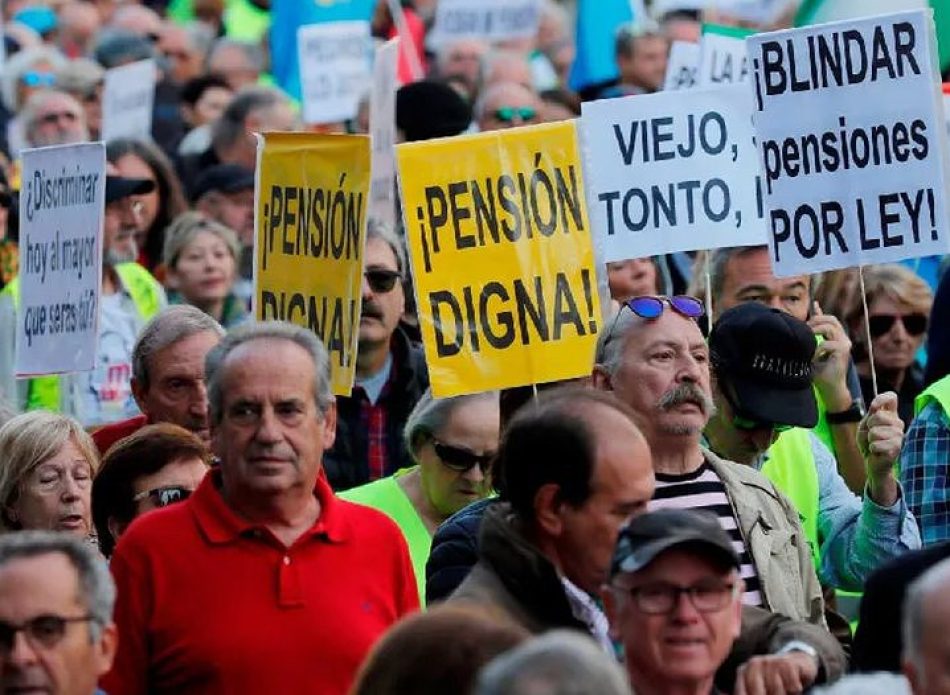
<point>382,128</point>
<point>334,69</point>
<point>759,12</point>
<point>502,258</point>
<point>61,215</point>
<point>852,142</point>
<point>488,20</point>
<point>127,99</point>
<point>946,106</point>
<point>682,66</point>
<point>667,174</point>
<point>723,58</point>
<point>310,214</point>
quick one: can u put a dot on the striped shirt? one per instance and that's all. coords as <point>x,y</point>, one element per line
<point>702,489</point>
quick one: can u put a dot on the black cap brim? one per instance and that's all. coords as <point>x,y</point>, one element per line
<point>119,187</point>
<point>795,407</point>
<point>648,552</point>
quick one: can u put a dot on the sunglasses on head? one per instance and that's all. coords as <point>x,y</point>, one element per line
<point>653,306</point>
<point>461,460</point>
<point>381,280</point>
<point>34,78</point>
<point>506,114</point>
<point>164,496</point>
<point>879,324</point>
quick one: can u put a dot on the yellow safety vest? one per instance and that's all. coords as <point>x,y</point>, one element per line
<point>44,392</point>
<point>938,391</point>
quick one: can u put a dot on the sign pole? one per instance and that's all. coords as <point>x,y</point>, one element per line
<point>867,330</point>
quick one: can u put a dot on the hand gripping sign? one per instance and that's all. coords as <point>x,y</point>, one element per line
<point>502,257</point>
<point>310,214</point>
<point>852,142</point>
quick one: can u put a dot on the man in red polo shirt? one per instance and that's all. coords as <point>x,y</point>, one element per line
<point>168,374</point>
<point>262,581</point>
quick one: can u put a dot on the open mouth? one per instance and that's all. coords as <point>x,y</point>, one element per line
<point>72,521</point>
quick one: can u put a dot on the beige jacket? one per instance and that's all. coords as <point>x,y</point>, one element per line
<point>776,541</point>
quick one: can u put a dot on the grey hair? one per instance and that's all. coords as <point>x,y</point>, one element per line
<point>95,581</point>
<point>188,225</point>
<point>171,325</point>
<point>20,63</point>
<point>376,229</point>
<point>430,415</point>
<point>252,51</point>
<point>879,683</point>
<point>267,330</point>
<point>559,662</point>
<point>627,36</point>
<point>912,619</point>
<point>613,339</point>
<point>229,129</point>
<point>37,100</point>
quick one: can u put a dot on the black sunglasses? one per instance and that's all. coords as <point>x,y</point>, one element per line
<point>461,460</point>
<point>164,496</point>
<point>381,280</point>
<point>43,630</point>
<point>914,324</point>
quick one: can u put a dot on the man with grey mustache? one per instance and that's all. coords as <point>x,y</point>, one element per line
<point>654,357</point>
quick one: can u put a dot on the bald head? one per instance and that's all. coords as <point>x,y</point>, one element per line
<point>138,20</point>
<point>507,105</point>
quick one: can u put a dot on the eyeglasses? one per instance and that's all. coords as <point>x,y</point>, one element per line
<point>42,631</point>
<point>461,460</point>
<point>506,114</point>
<point>879,324</point>
<point>34,78</point>
<point>381,280</point>
<point>652,306</point>
<point>164,496</point>
<point>661,598</point>
<point>57,116</point>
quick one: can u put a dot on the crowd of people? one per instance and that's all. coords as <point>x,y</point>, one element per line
<point>748,496</point>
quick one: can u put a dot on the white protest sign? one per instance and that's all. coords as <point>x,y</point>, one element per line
<point>334,69</point>
<point>666,174</point>
<point>722,59</point>
<point>681,66</point>
<point>488,20</point>
<point>382,128</point>
<point>754,11</point>
<point>946,111</point>
<point>852,141</point>
<point>63,199</point>
<point>127,100</point>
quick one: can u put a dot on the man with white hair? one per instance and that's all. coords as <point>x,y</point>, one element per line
<point>926,620</point>
<point>52,117</point>
<point>507,105</point>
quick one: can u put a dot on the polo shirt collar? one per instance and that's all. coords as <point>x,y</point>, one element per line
<point>221,524</point>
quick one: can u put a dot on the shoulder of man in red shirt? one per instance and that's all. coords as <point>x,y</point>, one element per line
<point>107,435</point>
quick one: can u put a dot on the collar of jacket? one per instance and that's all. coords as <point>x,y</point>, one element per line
<point>527,574</point>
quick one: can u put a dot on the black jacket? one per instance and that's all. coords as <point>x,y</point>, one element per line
<point>346,463</point>
<point>454,551</point>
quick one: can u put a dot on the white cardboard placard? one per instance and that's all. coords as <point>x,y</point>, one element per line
<point>127,100</point>
<point>852,142</point>
<point>382,128</point>
<point>682,66</point>
<point>666,174</point>
<point>61,216</point>
<point>334,69</point>
<point>488,20</point>
<point>722,60</point>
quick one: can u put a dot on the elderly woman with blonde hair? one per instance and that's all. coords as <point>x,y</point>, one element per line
<point>898,309</point>
<point>200,258</point>
<point>47,462</point>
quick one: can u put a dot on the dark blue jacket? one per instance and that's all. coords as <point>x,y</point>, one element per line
<point>454,550</point>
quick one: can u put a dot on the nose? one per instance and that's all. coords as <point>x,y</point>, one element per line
<point>775,302</point>
<point>71,489</point>
<point>268,431</point>
<point>898,329</point>
<point>199,403</point>
<point>684,611</point>
<point>22,653</point>
<point>365,289</point>
<point>474,474</point>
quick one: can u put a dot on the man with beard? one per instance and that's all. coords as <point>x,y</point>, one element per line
<point>654,357</point>
<point>52,117</point>
<point>130,297</point>
<point>391,374</point>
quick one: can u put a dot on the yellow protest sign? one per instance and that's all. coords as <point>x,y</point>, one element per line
<point>310,212</point>
<point>502,258</point>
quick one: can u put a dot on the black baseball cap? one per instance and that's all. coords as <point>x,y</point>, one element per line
<point>119,187</point>
<point>762,358</point>
<point>650,535</point>
<point>428,109</point>
<point>225,178</point>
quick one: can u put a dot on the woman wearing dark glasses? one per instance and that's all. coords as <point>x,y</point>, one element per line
<point>453,442</point>
<point>156,466</point>
<point>898,309</point>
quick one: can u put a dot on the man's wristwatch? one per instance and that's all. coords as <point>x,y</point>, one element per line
<point>852,414</point>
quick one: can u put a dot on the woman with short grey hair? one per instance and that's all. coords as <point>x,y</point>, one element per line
<point>453,442</point>
<point>47,462</point>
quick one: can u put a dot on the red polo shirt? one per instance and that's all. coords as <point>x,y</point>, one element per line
<point>107,435</point>
<point>210,603</point>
